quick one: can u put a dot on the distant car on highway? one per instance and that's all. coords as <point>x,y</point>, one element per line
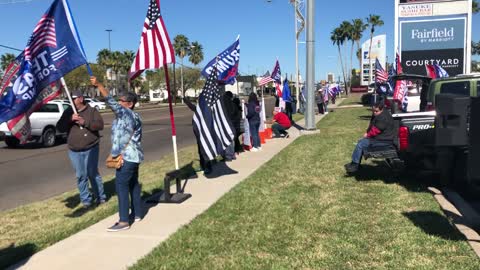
<point>95,103</point>
<point>43,122</point>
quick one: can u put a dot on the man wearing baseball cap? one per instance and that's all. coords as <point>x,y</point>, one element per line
<point>83,147</point>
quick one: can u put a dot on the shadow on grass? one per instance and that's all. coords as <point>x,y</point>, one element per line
<point>74,200</point>
<point>434,224</point>
<point>13,254</point>
<point>381,171</point>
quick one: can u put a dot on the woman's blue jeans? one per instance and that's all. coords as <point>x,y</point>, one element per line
<point>126,183</point>
<point>254,127</point>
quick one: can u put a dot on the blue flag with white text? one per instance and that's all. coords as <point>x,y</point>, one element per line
<point>52,51</point>
<point>227,64</point>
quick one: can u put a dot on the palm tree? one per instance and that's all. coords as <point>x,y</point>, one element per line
<point>127,59</point>
<point>181,44</point>
<point>372,21</point>
<point>347,29</point>
<point>357,33</point>
<point>475,7</point>
<point>105,60</point>
<point>6,59</point>
<point>196,53</point>
<point>338,39</point>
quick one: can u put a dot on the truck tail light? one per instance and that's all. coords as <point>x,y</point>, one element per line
<point>430,107</point>
<point>403,138</point>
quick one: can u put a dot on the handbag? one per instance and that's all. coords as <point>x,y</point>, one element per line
<point>116,162</point>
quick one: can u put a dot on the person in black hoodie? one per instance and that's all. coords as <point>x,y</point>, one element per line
<point>238,125</point>
<point>380,132</point>
<point>253,116</point>
<point>233,114</point>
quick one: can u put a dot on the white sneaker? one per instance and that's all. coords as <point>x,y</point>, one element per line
<point>259,148</point>
<point>254,149</point>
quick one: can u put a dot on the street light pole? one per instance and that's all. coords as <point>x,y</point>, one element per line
<point>310,74</point>
<point>109,31</point>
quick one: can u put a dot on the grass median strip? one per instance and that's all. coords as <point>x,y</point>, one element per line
<point>299,211</point>
<point>28,229</point>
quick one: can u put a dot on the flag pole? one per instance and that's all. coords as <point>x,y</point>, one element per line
<point>172,119</point>
<point>64,86</point>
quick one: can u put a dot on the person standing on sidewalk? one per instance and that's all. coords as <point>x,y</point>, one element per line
<point>233,114</point>
<point>83,147</point>
<point>253,116</point>
<point>127,142</point>
<point>319,100</point>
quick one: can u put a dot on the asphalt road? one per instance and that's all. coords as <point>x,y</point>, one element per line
<point>32,173</point>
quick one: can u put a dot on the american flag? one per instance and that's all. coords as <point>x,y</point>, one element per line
<point>381,75</point>
<point>43,36</point>
<point>155,48</point>
<point>265,79</point>
<point>213,130</point>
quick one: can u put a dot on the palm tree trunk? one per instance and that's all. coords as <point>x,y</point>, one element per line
<point>181,79</point>
<point>359,58</point>
<point>351,65</point>
<point>343,69</point>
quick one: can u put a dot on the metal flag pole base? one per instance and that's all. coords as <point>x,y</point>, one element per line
<point>166,196</point>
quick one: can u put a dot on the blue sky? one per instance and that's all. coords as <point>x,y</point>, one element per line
<point>266,29</point>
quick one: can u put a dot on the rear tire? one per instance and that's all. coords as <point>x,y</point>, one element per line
<point>12,142</point>
<point>48,137</point>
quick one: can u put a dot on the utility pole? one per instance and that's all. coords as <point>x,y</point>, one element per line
<point>310,75</point>
<point>109,31</point>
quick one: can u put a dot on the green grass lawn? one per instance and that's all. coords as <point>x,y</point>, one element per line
<point>31,228</point>
<point>300,211</point>
<point>352,99</point>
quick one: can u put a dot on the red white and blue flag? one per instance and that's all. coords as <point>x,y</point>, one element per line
<point>401,89</point>
<point>381,75</point>
<point>226,64</point>
<point>155,50</point>
<point>265,79</point>
<point>435,71</point>
<point>53,50</point>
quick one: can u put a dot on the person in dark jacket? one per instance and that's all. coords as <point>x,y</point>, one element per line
<point>380,132</point>
<point>233,114</point>
<point>238,124</point>
<point>83,147</point>
<point>253,116</point>
<point>205,165</point>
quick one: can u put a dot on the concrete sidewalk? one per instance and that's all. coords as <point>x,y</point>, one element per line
<point>95,248</point>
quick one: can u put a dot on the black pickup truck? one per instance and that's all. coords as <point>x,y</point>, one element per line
<point>416,145</point>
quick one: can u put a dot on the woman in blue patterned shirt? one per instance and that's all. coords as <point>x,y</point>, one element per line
<point>126,141</point>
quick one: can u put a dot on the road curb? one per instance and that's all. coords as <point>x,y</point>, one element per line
<point>464,217</point>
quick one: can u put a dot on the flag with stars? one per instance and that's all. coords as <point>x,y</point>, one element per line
<point>155,50</point>
<point>213,129</point>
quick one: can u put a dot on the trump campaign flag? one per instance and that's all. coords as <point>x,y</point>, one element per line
<point>212,128</point>
<point>155,50</point>
<point>435,71</point>
<point>401,89</point>
<point>53,50</point>
<point>226,64</point>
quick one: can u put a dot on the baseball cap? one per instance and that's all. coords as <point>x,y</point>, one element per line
<point>77,93</point>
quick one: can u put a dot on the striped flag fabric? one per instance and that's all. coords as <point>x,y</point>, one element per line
<point>155,50</point>
<point>381,75</point>
<point>212,129</point>
<point>435,71</point>
<point>265,79</point>
<point>43,35</point>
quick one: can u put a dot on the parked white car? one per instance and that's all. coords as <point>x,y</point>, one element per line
<point>95,103</point>
<point>43,122</point>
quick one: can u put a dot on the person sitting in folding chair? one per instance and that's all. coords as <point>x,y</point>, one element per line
<point>280,124</point>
